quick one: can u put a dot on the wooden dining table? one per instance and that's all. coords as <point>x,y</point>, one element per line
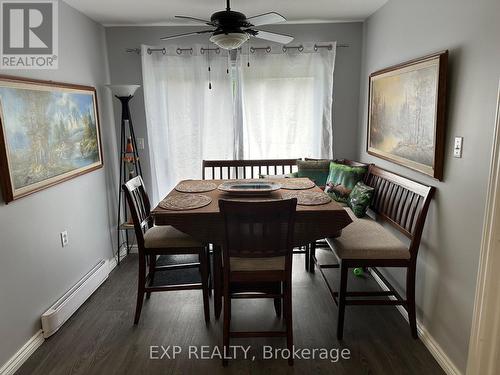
<point>206,223</point>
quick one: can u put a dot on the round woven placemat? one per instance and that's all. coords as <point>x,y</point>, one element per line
<point>181,202</point>
<point>297,184</point>
<point>307,198</point>
<point>195,186</point>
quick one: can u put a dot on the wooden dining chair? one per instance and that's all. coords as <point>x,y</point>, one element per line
<point>153,241</point>
<point>257,252</point>
<point>252,169</point>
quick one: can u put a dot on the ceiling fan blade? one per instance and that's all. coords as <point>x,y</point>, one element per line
<point>273,37</point>
<point>186,34</point>
<point>266,19</point>
<point>194,19</point>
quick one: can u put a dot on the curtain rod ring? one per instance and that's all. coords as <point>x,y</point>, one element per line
<point>329,47</point>
<point>298,48</point>
<point>202,50</point>
<point>151,50</point>
<point>180,50</point>
<point>267,49</point>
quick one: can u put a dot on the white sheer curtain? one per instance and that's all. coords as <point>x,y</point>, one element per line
<point>279,107</point>
<point>286,103</point>
<point>186,122</point>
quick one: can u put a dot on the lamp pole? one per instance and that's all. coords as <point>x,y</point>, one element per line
<point>129,159</point>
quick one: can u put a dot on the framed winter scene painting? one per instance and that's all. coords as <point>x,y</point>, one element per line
<point>406,114</point>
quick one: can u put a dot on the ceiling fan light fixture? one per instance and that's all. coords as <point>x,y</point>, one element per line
<point>232,29</point>
<point>230,40</point>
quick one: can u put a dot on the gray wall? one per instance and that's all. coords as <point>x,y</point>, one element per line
<point>34,269</point>
<point>448,257</point>
<point>126,68</point>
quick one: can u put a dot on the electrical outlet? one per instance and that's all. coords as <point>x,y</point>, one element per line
<point>64,238</point>
<point>140,143</point>
<point>457,147</point>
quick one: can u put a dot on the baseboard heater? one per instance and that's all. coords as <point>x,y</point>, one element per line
<point>65,306</point>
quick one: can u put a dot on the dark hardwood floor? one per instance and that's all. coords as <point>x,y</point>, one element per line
<point>101,339</point>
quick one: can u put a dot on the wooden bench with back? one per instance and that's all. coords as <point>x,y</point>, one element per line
<point>228,169</point>
<point>402,204</point>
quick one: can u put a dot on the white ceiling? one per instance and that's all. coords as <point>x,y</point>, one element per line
<point>161,12</point>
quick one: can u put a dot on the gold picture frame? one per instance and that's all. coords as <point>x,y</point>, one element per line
<point>49,133</point>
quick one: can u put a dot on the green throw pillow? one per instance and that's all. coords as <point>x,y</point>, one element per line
<point>342,179</point>
<point>288,175</point>
<point>360,199</point>
<point>316,170</point>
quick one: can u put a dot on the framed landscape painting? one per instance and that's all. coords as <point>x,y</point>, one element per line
<point>49,133</point>
<point>406,114</point>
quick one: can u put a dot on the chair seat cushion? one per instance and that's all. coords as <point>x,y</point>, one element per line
<point>166,236</point>
<point>257,264</point>
<point>364,238</point>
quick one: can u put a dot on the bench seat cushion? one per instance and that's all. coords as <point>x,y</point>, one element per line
<point>257,264</point>
<point>364,238</point>
<point>166,236</point>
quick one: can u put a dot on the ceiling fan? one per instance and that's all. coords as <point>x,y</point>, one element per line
<point>232,29</point>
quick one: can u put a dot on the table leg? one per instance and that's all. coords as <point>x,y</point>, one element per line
<point>312,256</point>
<point>217,281</point>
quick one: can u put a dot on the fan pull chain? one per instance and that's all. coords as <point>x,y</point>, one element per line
<point>248,56</point>
<point>209,69</point>
<point>227,61</point>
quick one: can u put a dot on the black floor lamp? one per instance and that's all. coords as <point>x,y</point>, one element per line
<point>130,164</point>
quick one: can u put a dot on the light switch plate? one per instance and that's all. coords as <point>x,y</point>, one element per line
<point>64,238</point>
<point>457,147</point>
<point>140,143</point>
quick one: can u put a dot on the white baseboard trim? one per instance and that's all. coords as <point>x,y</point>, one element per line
<point>430,343</point>
<point>13,364</point>
<point>113,262</point>
<point>16,361</point>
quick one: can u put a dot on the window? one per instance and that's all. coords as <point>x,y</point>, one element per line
<point>279,107</point>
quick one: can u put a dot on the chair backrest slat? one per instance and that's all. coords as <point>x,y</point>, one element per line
<point>140,208</point>
<point>401,206</point>
<point>258,229</point>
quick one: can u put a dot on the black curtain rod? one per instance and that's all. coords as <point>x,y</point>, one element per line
<point>268,49</point>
